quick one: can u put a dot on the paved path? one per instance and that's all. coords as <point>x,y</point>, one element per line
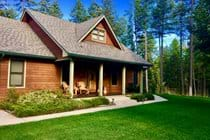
<point>120,102</point>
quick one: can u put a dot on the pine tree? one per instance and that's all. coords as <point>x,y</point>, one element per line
<point>79,13</point>
<point>6,11</point>
<point>181,16</point>
<point>54,10</point>
<point>162,24</point>
<point>109,12</point>
<point>44,6</point>
<point>9,13</point>
<point>95,10</point>
<point>22,4</point>
<point>130,31</point>
<point>142,19</point>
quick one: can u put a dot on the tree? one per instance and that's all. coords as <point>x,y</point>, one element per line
<point>22,4</point>
<point>95,10</point>
<point>171,67</point>
<point>79,13</point>
<point>54,10</point>
<point>161,24</point>
<point>108,11</point>
<point>142,18</point>
<point>10,13</point>
<point>200,28</point>
<point>129,41</point>
<point>44,6</point>
<point>6,11</point>
<point>117,23</point>
<point>181,16</point>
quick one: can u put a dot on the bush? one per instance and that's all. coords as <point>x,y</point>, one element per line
<point>132,88</point>
<point>149,96</point>
<point>142,97</point>
<point>12,95</point>
<point>46,102</point>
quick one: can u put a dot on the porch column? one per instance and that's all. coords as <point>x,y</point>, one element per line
<point>100,86</point>
<point>123,80</point>
<point>71,77</point>
<point>141,81</point>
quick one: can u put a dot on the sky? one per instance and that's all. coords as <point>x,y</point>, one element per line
<point>120,6</point>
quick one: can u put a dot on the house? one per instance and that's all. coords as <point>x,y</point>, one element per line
<point>41,51</point>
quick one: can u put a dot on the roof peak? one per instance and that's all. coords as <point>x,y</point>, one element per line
<point>98,17</point>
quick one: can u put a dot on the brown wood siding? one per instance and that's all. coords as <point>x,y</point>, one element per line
<point>40,74</point>
<point>110,40</point>
<point>129,77</point>
<point>3,77</point>
<point>52,46</point>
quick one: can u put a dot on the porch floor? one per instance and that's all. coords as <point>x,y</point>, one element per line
<point>119,100</point>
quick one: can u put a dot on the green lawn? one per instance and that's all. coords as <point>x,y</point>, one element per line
<point>179,118</point>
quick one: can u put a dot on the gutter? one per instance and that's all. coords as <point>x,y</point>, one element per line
<point>25,55</point>
<point>106,59</point>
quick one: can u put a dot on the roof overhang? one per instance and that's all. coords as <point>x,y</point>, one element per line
<point>5,53</point>
<point>73,55</point>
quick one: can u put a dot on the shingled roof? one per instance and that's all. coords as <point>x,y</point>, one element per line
<point>17,37</point>
<point>67,35</point>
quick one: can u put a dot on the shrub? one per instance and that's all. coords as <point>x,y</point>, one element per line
<point>142,97</point>
<point>149,96</point>
<point>12,95</point>
<point>45,102</point>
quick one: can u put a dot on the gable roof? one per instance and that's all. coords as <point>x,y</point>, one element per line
<point>86,27</point>
<point>19,38</point>
<point>67,36</point>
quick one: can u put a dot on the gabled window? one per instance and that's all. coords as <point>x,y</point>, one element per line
<point>98,35</point>
<point>16,75</point>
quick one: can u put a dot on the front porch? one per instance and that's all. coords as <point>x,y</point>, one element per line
<point>99,78</point>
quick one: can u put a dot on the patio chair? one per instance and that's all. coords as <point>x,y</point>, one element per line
<point>82,87</point>
<point>65,87</point>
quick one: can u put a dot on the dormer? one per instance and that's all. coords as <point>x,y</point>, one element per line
<point>99,32</point>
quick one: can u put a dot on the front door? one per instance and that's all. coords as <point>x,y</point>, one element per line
<point>91,77</point>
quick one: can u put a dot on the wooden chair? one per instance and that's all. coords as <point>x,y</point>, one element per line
<point>82,87</point>
<point>65,87</point>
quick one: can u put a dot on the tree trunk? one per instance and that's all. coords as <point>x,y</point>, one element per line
<point>161,63</point>
<point>181,63</point>
<point>204,82</point>
<point>145,57</point>
<point>191,56</point>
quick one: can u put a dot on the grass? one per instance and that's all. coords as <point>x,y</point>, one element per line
<point>179,118</point>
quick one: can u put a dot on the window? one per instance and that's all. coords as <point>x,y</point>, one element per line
<point>114,78</point>
<point>98,35</point>
<point>16,73</point>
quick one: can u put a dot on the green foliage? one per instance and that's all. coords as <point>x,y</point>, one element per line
<point>10,13</point>
<point>44,6</point>
<point>201,27</point>
<point>79,13</point>
<point>54,10</point>
<point>12,96</point>
<point>142,97</point>
<point>95,10</point>
<point>45,102</point>
<point>175,119</point>
<point>172,68</point>
<point>22,4</point>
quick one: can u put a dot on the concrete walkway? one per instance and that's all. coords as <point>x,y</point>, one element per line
<point>120,102</point>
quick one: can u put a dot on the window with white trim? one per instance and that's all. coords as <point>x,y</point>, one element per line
<point>16,78</point>
<point>98,35</point>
